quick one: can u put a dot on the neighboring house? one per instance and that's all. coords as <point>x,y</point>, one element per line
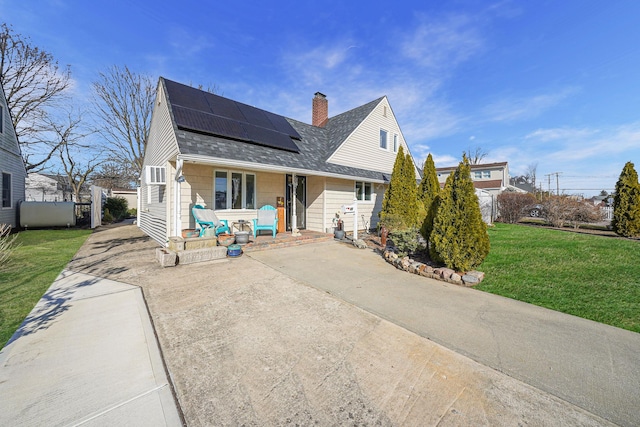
<point>234,158</point>
<point>47,188</point>
<point>493,178</point>
<point>11,167</point>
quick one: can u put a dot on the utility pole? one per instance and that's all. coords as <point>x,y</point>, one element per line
<point>557,174</point>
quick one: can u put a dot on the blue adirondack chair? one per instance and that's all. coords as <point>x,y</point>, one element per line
<point>206,218</point>
<point>267,220</point>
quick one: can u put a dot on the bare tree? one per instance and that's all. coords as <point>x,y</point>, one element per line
<point>33,83</point>
<point>531,173</point>
<point>77,158</point>
<point>113,175</point>
<point>476,155</point>
<point>123,103</point>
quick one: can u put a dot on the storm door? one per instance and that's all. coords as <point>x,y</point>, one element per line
<point>300,200</point>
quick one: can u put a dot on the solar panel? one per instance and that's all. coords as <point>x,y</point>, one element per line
<point>186,96</point>
<point>204,112</point>
<point>282,125</point>
<point>208,123</point>
<point>223,107</point>
<point>270,138</point>
<point>254,116</point>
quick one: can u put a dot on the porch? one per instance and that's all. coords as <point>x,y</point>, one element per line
<point>284,240</point>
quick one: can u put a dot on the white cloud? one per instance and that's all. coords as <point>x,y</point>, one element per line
<point>443,44</point>
<point>513,109</point>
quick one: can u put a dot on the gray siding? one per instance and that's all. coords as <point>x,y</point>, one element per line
<point>11,163</point>
<point>161,147</point>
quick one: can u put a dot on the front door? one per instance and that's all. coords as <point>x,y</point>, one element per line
<point>300,200</point>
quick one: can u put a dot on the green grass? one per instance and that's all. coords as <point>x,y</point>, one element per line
<point>30,270</point>
<point>589,276</point>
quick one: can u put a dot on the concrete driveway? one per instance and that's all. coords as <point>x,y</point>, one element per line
<point>591,365</point>
<point>261,340</point>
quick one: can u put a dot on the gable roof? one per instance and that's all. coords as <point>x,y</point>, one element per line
<point>314,145</point>
<point>475,166</point>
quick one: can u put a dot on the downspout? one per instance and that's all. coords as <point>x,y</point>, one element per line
<point>179,178</point>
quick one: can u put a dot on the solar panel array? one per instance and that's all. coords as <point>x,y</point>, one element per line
<point>211,114</point>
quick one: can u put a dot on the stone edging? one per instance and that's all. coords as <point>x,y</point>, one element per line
<point>470,278</point>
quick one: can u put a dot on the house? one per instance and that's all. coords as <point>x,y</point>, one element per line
<point>47,188</point>
<point>234,158</point>
<point>11,166</point>
<point>492,178</point>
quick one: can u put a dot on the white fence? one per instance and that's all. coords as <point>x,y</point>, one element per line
<point>607,211</point>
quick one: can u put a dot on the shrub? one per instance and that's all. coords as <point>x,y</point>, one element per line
<point>626,203</point>
<point>405,240</point>
<point>7,243</point>
<point>107,217</point>
<point>117,207</point>
<point>132,213</point>
<point>512,206</point>
<point>459,238</point>
<point>565,210</point>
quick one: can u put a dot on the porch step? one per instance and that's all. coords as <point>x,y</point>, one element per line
<point>286,242</point>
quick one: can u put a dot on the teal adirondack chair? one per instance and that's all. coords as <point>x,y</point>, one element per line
<point>206,218</point>
<point>267,220</point>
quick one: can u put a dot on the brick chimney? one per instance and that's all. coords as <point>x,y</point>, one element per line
<point>320,110</point>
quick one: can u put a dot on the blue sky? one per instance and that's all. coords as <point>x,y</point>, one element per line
<point>549,82</point>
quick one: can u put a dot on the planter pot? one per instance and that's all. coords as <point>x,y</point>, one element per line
<point>242,237</point>
<point>338,234</point>
<point>234,250</point>
<point>190,232</point>
<point>226,239</point>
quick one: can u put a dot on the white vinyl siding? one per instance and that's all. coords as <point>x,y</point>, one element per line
<point>362,148</point>
<point>161,147</point>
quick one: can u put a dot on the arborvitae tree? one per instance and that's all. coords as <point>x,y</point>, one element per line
<point>390,207</point>
<point>412,211</point>
<point>428,192</point>
<point>459,238</point>
<point>400,203</point>
<point>626,203</point>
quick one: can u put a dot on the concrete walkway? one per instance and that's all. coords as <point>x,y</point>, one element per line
<point>86,355</point>
<point>589,364</point>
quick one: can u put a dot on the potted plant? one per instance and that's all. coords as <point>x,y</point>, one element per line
<point>338,228</point>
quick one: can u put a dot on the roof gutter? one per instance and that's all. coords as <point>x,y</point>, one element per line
<point>231,163</point>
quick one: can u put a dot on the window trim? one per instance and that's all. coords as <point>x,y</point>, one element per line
<point>386,140</point>
<point>228,203</point>
<point>395,142</point>
<point>9,189</point>
<point>365,184</point>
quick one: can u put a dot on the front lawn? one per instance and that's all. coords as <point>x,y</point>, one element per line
<point>589,276</point>
<point>30,271</point>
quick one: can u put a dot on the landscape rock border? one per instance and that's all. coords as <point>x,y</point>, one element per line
<point>470,278</point>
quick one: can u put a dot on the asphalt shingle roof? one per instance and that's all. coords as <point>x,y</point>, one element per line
<point>316,145</point>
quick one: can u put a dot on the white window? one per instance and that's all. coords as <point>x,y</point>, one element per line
<point>156,175</point>
<point>383,139</point>
<point>234,190</point>
<point>6,190</point>
<point>486,174</point>
<point>363,191</point>
<point>395,142</point>
<point>482,174</point>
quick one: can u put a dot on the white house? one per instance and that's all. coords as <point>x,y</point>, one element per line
<point>11,167</point>
<point>47,188</point>
<point>234,158</point>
